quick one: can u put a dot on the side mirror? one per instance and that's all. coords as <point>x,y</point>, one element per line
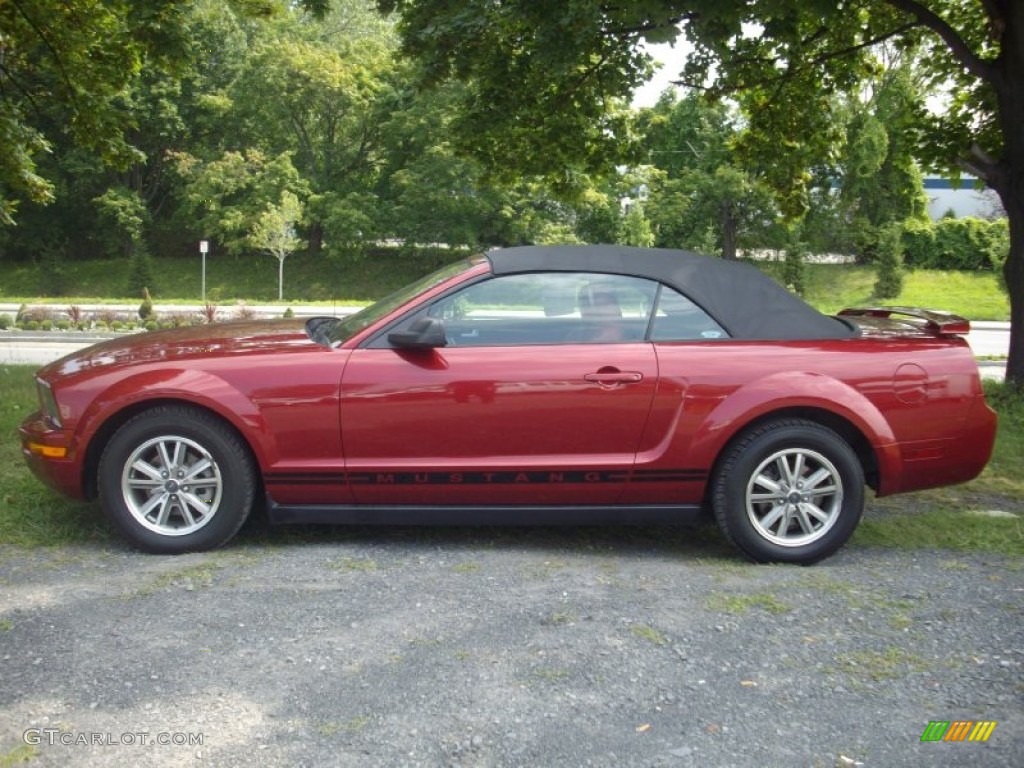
<point>425,333</point>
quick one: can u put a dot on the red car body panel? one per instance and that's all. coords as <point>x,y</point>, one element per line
<point>461,415</point>
<point>638,423</point>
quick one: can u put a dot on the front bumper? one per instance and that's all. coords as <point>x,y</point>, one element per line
<point>52,456</point>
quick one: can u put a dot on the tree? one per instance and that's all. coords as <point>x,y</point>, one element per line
<point>320,91</point>
<point>66,67</point>
<point>546,82</point>
<point>274,232</point>
<point>706,191</point>
<point>226,196</point>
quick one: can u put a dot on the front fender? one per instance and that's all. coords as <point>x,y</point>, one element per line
<point>793,390</point>
<point>197,387</point>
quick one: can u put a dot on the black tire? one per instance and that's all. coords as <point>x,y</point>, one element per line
<point>176,479</point>
<point>789,491</point>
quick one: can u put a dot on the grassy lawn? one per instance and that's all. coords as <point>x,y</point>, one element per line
<point>33,516</point>
<point>229,279</point>
<point>975,295</point>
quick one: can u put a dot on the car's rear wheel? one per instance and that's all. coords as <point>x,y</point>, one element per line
<point>789,491</point>
<point>176,479</point>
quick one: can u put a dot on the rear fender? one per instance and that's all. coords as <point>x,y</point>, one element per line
<point>803,390</point>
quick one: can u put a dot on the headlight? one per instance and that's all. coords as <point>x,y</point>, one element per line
<point>48,403</point>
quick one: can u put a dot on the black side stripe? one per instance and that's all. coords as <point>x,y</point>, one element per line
<point>503,477</point>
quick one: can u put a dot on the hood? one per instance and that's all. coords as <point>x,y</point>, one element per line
<point>194,342</point>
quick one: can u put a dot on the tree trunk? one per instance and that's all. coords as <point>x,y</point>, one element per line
<point>316,237</point>
<point>728,231</point>
<point>1013,202</point>
<point>1009,86</point>
<point>280,279</point>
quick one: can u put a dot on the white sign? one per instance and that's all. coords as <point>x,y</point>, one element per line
<point>204,246</point>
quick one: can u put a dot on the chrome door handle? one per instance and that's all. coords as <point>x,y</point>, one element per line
<point>615,377</point>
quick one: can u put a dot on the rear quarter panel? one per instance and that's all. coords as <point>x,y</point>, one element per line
<point>917,402</point>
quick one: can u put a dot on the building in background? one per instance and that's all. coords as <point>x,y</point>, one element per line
<point>963,200</point>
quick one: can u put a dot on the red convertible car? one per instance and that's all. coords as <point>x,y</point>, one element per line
<point>535,385</point>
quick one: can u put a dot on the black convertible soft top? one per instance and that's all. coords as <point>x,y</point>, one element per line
<point>742,299</point>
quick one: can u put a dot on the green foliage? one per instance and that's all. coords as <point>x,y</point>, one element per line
<point>889,259</point>
<point>794,268</point>
<point>227,195</point>
<point>703,199</point>
<point>951,243</point>
<point>880,181</point>
<point>53,276</point>
<point>140,274</point>
<point>636,230</point>
<point>66,65</point>
<point>274,232</point>
<point>6,321</point>
<point>146,311</point>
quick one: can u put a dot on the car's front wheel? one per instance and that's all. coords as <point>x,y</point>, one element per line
<point>789,491</point>
<point>176,479</point>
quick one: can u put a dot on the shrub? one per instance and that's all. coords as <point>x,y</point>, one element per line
<point>793,268</point>
<point>146,307</point>
<point>957,244</point>
<point>27,314</point>
<point>140,273</point>
<point>75,314</point>
<point>289,313</point>
<point>63,325</point>
<point>208,312</point>
<point>176,320</point>
<point>918,242</point>
<point>31,325</point>
<point>6,321</point>
<point>889,257</point>
<point>105,317</point>
<point>46,325</point>
<point>244,312</point>
<point>152,325</point>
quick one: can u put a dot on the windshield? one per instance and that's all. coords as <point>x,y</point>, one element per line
<point>350,326</point>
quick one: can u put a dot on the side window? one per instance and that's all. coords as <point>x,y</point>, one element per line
<point>679,319</point>
<point>547,308</point>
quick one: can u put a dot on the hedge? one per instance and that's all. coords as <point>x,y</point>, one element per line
<point>956,244</point>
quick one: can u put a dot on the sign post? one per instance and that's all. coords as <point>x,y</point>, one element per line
<point>204,247</point>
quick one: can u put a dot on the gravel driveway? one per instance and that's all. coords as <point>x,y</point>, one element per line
<point>611,647</point>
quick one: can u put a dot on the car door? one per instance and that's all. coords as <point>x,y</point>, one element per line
<point>534,399</point>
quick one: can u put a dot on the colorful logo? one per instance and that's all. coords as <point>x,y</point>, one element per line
<point>958,730</point>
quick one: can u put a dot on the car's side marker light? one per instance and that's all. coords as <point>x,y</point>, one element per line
<point>49,451</point>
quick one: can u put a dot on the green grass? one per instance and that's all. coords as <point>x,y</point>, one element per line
<point>938,519</point>
<point>33,516</point>
<point>229,279</point>
<point>975,295</point>
<point>30,514</point>
<point>650,634</point>
<point>893,663</point>
<point>741,604</point>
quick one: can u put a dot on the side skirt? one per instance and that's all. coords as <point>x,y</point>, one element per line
<point>321,514</point>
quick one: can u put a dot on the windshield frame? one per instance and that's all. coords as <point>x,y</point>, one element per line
<point>352,326</point>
